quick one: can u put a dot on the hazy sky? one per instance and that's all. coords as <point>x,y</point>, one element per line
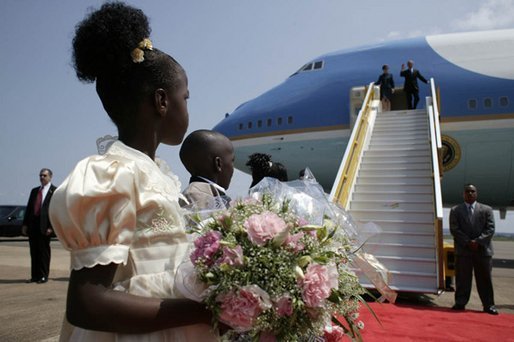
<point>232,50</point>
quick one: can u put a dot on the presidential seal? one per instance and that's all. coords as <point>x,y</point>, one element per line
<point>451,152</point>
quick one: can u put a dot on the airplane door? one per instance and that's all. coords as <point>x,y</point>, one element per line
<point>357,95</point>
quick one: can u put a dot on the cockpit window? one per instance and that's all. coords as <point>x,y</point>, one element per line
<point>307,67</point>
<point>317,65</point>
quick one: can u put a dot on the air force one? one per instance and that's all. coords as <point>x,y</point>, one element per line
<point>307,120</point>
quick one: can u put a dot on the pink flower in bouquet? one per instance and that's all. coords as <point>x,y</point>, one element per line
<point>334,333</point>
<point>318,282</point>
<point>206,247</point>
<point>240,309</point>
<point>232,256</point>
<point>293,242</point>
<point>284,306</point>
<point>302,222</point>
<point>264,227</point>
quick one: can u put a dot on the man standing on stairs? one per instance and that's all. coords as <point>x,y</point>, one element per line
<point>410,87</point>
<point>472,227</point>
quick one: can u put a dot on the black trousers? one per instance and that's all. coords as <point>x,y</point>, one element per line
<point>464,267</point>
<point>40,252</point>
<point>412,95</point>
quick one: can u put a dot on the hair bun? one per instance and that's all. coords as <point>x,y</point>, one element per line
<point>105,39</point>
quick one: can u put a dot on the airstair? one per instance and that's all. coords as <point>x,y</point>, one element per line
<point>390,176</point>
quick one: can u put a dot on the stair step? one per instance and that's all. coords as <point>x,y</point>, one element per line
<point>392,196</point>
<point>405,264</point>
<point>373,166</point>
<point>382,152</point>
<point>401,250</point>
<point>399,214</point>
<point>405,226</point>
<point>400,139</point>
<point>424,189</point>
<point>396,180</point>
<point>399,128</point>
<point>392,160</point>
<point>419,134</point>
<point>416,143</point>
<point>398,173</point>
<point>391,205</point>
<point>396,237</point>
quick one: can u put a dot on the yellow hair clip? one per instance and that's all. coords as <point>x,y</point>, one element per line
<point>138,54</point>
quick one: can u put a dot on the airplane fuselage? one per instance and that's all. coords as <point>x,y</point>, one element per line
<point>305,121</point>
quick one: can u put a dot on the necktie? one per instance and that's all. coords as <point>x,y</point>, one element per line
<point>39,199</point>
<point>470,213</point>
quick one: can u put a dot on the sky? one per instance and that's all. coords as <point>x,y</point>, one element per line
<point>232,51</point>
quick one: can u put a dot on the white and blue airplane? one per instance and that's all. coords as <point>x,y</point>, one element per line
<point>306,120</point>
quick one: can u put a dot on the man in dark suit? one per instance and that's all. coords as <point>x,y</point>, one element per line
<point>410,86</point>
<point>37,226</point>
<point>472,227</point>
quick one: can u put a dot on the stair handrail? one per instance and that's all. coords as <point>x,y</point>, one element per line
<point>435,138</point>
<point>435,105</point>
<point>359,139</point>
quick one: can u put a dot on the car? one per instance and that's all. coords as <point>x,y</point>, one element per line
<point>11,220</point>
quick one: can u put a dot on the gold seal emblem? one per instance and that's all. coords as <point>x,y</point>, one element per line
<point>451,152</point>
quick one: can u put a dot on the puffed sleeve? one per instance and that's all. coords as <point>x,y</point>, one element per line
<point>94,212</point>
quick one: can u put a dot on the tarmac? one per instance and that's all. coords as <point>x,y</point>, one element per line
<point>34,312</point>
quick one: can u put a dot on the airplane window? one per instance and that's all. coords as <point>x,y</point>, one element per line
<point>318,65</point>
<point>472,104</point>
<point>307,67</point>
<point>249,125</point>
<point>279,121</point>
<point>259,123</point>
<point>488,102</point>
<point>268,123</point>
<point>504,101</point>
<point>240,126</point>
<point>289,120</point>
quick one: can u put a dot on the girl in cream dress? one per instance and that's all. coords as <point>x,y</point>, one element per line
<point>118,213</point>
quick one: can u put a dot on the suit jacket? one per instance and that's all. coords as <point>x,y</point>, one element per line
<point>204,196</point>
<point>480,228</point>
<point>411,80</point>
<point>44,220</point>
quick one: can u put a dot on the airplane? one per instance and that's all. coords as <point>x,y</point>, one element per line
<point>306,121</point>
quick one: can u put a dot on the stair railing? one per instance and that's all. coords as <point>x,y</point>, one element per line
<point>357,144</point>
<point>436,152</point>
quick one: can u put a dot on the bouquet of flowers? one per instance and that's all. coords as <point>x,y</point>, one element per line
<point>276,266</point>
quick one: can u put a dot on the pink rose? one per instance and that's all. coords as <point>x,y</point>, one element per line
<point>284,306</point>
<point>264,227</point>
<point>317,283</point>
<point>334,333</point>
<point>240,309</point>
<point>206,247</point>
<point>293,242</point>
<point>232,256</point>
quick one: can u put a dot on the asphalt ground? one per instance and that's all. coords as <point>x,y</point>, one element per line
<point>34,312</point>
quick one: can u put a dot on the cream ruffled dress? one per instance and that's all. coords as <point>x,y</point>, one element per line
<point>122,207</point>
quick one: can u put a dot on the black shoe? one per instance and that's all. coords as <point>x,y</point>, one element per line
<point>458,307</point>
<point>31,281</point>
<point>491,310</point>
<point>42,280</point>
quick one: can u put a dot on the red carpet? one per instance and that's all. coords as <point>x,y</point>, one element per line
<point>420,323</point>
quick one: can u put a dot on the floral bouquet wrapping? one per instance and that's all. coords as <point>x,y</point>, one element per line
<point>275,266</point>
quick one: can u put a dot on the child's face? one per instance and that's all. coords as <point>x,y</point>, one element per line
<point>178,116</point>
